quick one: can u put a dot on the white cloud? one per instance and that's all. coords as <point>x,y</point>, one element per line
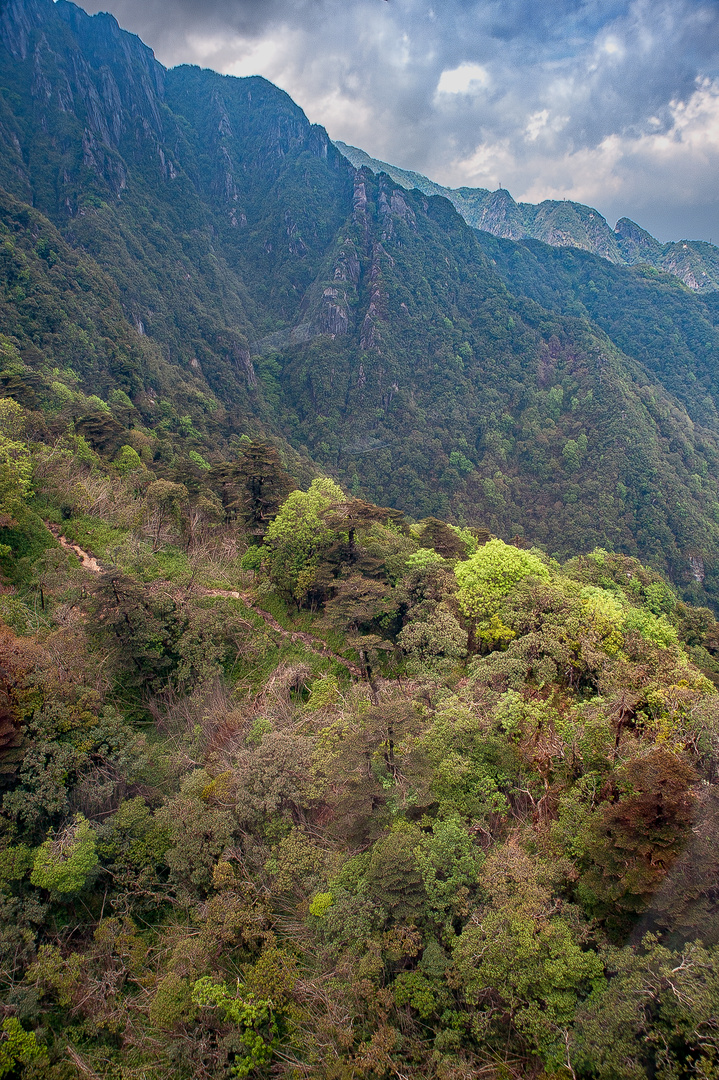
<point>542,123</point>
<point>678,165</point>
<point>465,79</point>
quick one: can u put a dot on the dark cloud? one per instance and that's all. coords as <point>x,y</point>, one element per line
<point>613,102</point>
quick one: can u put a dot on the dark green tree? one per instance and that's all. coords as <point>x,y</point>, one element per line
<point>254,487</point>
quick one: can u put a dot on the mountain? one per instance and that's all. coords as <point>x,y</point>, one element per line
<point>650,316</point>
<point>291,785</point>
<point>562,224</point>
<point>192,263</point>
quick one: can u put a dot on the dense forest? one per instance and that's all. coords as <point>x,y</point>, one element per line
<point>293,786</point>
<point>359,661</point>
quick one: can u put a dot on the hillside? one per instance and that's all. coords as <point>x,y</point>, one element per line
<point>562,224</point>
<point>359,573</point>
<point>291,787</point>
<point>648,315</point>
<point>212,257</point>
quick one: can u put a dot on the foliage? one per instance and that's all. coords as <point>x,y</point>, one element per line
<point>255,1020</point>
<point>289,783</point>
<point>63,865</point>
<point>18,1047</point>
<point>298,537</point>
<point>518,958</point>
<point>456,835</point>
<point>254,486</point>
<point>15,461</point>
<point>489,575</point>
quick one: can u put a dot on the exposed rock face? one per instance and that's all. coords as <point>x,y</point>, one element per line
<point>694,262</point>
<point>18,20</point>
<point>369,335</point>
<point>107,83</point>
<point>501,216</point>
<point>347,267</point>
<point>696,564</point>
<point>112,91</point>
<point>334,318</point>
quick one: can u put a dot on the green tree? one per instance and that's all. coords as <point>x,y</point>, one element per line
<point>298,539</point>
<point>255,1020</point>
<point>433,639</point>
<point>15,461</point>
<point>491,573</point>
<point>165,506</point>
<point>449,863</point>
<point>253,487</point>
<point>198,833</point>
<point>64,864</point>
<point>441,538</point>
<point>630,843</point>
<point>521,963</point>
<point>127,460</point>
<point>656,1016</point>
<point>18,1047</point>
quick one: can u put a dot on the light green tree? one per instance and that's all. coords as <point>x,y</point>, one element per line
<point>15,462</point>
<point>299,536</point>
<point>491,574</point>
<point>18,1047</point>
<point>254,1019</point>
<point>64,864</point>
<point>127,460</point>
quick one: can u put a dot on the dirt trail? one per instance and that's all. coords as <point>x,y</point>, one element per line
<point>90,563</point>
<point>293,635</point>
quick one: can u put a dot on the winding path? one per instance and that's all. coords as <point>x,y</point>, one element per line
<point>293,635</point>
<point>89,562</point>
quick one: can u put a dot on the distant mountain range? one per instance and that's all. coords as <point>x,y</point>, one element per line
<point>561,224</point>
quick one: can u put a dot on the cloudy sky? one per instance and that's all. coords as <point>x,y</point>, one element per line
<point>614,103</point>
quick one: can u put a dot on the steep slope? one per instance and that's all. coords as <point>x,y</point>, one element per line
<point>469,790</point>
<point>670,330</point>
<point>358,322</point>
<point>469,401</point>
<point>129,181</point>
<point>562,224</point>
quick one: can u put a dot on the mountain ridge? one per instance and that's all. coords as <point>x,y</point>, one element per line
<point>562,224</point>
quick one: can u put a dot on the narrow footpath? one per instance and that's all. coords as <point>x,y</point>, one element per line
<point>89,562</point>
<point>293,635</point>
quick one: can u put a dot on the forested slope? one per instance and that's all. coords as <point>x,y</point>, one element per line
<point>650,316</point>
<point>293,784</point>
<point>292,787</point>
<point>262,287</point>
